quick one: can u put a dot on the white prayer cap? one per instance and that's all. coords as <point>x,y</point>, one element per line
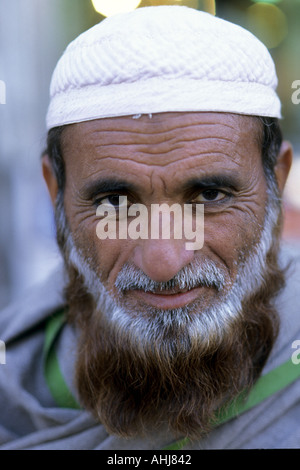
<point>162,59</point>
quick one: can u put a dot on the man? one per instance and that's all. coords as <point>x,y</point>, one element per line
<point>140,342</point>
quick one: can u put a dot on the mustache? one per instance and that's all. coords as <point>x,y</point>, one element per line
<point>196,274</point>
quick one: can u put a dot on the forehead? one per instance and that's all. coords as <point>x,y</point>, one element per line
<point>161,141</point>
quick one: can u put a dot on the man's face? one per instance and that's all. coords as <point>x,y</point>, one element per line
<point>206,158</point>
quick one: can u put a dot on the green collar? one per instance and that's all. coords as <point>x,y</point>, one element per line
<point>268,384</point>
<point>54,378</point>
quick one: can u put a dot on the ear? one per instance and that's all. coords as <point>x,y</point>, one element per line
<point>283,165</point>
<point>49,177</point>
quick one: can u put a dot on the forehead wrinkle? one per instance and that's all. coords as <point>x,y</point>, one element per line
<point>183,133</point>
<point>141,131</point>
<point>182,140</point>
<point>180,162</point>
<point>87,135</point>
<point>177,151</point>
<point>161,123</point>
<point>226,147</point>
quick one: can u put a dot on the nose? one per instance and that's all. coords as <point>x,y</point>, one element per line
<point>162,259</point>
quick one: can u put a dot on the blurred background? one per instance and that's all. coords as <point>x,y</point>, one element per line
<point>33,35</point>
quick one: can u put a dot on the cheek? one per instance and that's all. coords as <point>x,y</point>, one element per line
<point>105,256</point>
<point>232,235</point>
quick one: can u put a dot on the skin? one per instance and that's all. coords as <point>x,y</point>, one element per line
<point>159,157</point>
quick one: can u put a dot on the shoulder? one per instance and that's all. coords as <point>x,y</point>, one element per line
<point>288,307</point>
<point>34,307</point>
<point>288,300</point>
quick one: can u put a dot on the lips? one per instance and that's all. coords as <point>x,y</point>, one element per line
<point>168,299</point>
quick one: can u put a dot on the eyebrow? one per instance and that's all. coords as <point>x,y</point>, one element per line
<point>109,185</point>
<point>213,181</point>
<point>106,185</point>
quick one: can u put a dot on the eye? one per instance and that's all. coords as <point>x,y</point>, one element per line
<point>114,200</point>
<point>211,195</point>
